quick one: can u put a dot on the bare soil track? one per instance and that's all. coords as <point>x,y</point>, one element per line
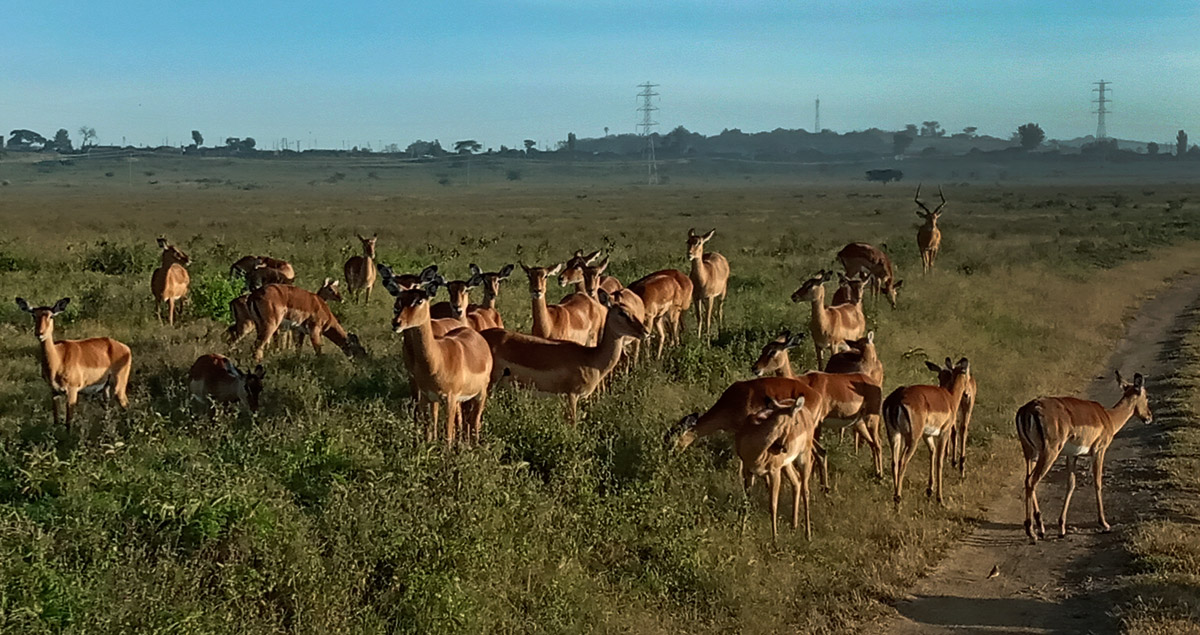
<point>1058,585</point>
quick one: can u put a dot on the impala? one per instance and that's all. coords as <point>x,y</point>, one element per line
<point>1050,426</point>
<point>962,423</point>
<point>866,260</point>
<point>246,264</point>
<point>278,305</point>
<point>485,316</point>
<point>573,273</point>
<point>360,270</point>
<point>929,237</point>
<point>666,295</point>
<point>460,297</point>
<point>216,379</point>
<point>243,320</point>
<point>170,281</point>
<point>830,326</point>
<point>779,440</point>
<point>710,280</point>
<point>560,367</point>
<point>578,319</point>
<point>913,413</point>
<point>852,397</point>
<point>97,364</point>
<point>406,281</point>
<point>455,368</point>
<point>849,291</point>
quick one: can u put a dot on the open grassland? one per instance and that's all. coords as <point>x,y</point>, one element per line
<point>326,513</point>
<point>1163,597</point>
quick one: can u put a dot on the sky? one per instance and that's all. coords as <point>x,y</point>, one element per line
<point>334,74</point>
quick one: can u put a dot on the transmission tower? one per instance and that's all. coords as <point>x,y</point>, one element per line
<point>1101,108</point>
<point>817,124</point>
<point>647,109</point>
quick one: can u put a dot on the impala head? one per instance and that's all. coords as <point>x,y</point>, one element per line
<point>172,254</point>
<point>1136,390</point>
<point>354,347</point>
<point>681,435</point>
<point>695,244</point>
<point>411,310</point>
<point>930,217</point>
<point>890,287</point>
<point>250,385</point>
<point>854,285</point>
<point>43,317</point>
<point>572,272</point>
<point>591,277</point>
<point>244,265</point>
<point>776,415</point>
<point>813,287</point>
<point>368,245</point>
<point>460,294</point>
<point>397,283</point>
<point>492,279</point>
<point>952,373</point>
<point>537,278</point>
<point>625,323</point>
<point>864,345</point>
<point>329,291</point>
<point>775,354</point>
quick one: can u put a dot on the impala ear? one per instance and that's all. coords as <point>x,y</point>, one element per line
<point>1121,383</point>
<point>604,298</point>
<point>162,243</point>
<point>590,258</point>
<point>231,368</point>
<point>934,367</point>
<point>328,282</point>
<point>506,271</point>
<point>949,364</point>
<point>524,267</point>
<point>475,281</point>
<point>709,235</point>
<point>475,270</point>
<point>795,340</point>
<point>602,266</point>
<point>1138,381</point>
<point>554,272</point>
<point>783,337</point>
<point>60,306</point>
<point>692,232</point>
<point>334,284</point>
<point>898,285</point>
<point>23,305</point>
<point>429,273</point>
<point>796,407</point>
<point>963,365</point>
<point>870,337</point>
<point>260,372</point>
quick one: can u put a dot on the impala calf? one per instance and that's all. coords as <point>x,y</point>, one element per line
<point>913,413</point>
<point>98,364</point>
<point>962,423</point>
<point>870,262</point>
<point>779,440</point>
<point>929,237</point>
<point>360,270</point>
<point>1050,426</point>
<point>830,326</point>
<point>170,281</point>
<point>216,379</point>
<point>710,280</point>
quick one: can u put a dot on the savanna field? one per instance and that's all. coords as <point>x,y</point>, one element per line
<point>328,512</point>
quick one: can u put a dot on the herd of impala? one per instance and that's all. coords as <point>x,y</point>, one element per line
<point>455,352</point>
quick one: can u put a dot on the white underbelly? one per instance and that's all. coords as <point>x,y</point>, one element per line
<point>932,431</point>
<point>95,388</point>
<point>1071,449</point>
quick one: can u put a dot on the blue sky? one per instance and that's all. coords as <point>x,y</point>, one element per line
<point>500,72</point>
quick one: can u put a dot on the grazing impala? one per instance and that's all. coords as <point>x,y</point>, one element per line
<point>360,270</point>
<point>866,260</point>
<point>98,364</point>
<point>573,273</point>
<point>852,397</point>
<point>278,305</point>
<point>243,320</point>
<point>559,367</point>
<point>1050,426</point>
<point>962,423</point>
<point>710,281</point>
<point>484,316</point>
<point>830,326</point>
<point>779,440</point>
<point>578,319</point>
<point>929,237</point>
<point>913,413</point>
<point>666,295</point>
<point>170,281</point>
<point>216,379</point>
<point>246,264</point>
<point>455,368</point>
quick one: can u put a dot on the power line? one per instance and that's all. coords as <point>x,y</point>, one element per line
<point>647,109</point>
<point>1101,108</point>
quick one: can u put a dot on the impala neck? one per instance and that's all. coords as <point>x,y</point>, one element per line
<point>489,301</point>
<point>336,334</point>
<point>425,350</point>
<point>820,319</point>
<point>580,287</point>
<point>607,352</point>
<point>1121,412</point>
<point>541,314</point>
<point>698,272</point>
<point>51,358</point>
<point>786,369</point>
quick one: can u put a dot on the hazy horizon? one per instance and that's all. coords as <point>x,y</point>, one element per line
<point>378,72</point>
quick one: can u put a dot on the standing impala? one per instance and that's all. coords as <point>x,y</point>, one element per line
<point>98,364</point>
<point>1050,426</point>
<point>710,281</point>
<point>572,273</point>
<point>578,319</point>
<point>779,440</point>
<point>870,262</point>
<point>485,316</point>
<point>666,295</point>
<point>360,270</point>
<point>170,281</point>
<point>559,367</point>
<point>913,413</point>
<point>830,326</point>
<point>849,290</point>
<point>929,237</point>
<point>962,423</point>
<point>455,368</point>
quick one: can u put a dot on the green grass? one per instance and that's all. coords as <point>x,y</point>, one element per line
<point>326,513</point>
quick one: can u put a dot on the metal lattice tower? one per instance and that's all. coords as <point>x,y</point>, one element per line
<point>1101,108</point>
<point>817,123</point>
<point>647,125</point>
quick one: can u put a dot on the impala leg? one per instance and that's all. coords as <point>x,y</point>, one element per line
<point>314,334</point>
<point>909,451</point>
<point>962,450</point>
<point>932,444</point>
<point>477,416</point>
<point>1098,476</point>
<point>451,420</point>
<point>793,479</point>
<point>72,399</point>
<point>773,481</point>
<point>265,331</point>
<point>662,335</point>
<point>573,409</point>
<point>54,409</point>
<point>1033,512</point>
<point>862,430</point>
<point>1062,519</point>
<point>747,485</point>
<point>435,406</point>
<point>171,311</point>
<point>721,310</point>
<point>817,350</point>
<point>897,458</point>
<point>708,320</point>
<point>943,446</point>
<point>158,309</point>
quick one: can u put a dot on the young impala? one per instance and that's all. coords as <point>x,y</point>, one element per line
<point>962,423</point>
<point>559,367</point>
<point>929,237</point>
<point>243,320</point>
<point>779,440</point>
<point>90,366</point>
<point>572,273</point>
<point>578,319</point>
<point>278,306</point>
<point>870,262</point>
<point>455,368</point>
<point>360,270</point>
<point>913,413</point>
<point>216,379</point>
<point>169,282</point>
<point>830,326</point>
<point>710,281</point>
<point>666,295</point>
<point>1050,426</point>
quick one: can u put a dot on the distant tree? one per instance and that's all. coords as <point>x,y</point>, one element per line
<point>26,140</point>
<point>910,129</point>
<point>529,143</point>
<point>606,131</point>
<point>571,142</point>
<point>197,138</point>
<point>233,142</point>
<point>248,143</point>
<point>1030,135</point>
<point>1181,145</point>
<point>1151,148</point>
<point>931,129</point>
<point>62,141</point>
<point>467,146</point>
<point>1193,152</point>
<point>87,135</point>
<point>900,143</point>
<point>970,131</point>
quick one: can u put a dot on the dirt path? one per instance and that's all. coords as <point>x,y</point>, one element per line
<point>1059,585</point>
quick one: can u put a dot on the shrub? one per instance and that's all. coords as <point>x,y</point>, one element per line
<point>211,294</point>
<point>117,260</point>
<point>513,175</point>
